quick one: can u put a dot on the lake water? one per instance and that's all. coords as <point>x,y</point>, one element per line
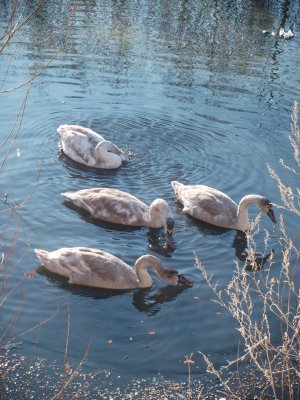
<point>192,91</point>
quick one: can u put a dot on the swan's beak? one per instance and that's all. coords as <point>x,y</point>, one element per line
<point>184,281</point>
<point>271,215</point>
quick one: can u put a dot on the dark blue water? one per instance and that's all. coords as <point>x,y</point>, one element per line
<point>192,91</point>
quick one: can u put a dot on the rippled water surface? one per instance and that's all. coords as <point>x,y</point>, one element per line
<point>191,91</point>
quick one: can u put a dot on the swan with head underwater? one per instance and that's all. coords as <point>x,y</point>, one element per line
<point>118,207</point>
<point>97,268</point>
<point>216,208</point>
<point>87,147</point>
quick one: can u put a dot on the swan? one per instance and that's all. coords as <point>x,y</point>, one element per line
<point>89,148</point>
<point>96,268</point>
<point>116,206</point>
<point>214,207</point>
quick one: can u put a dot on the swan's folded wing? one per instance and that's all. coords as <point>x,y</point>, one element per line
<point>212,207</point>
<point>111,205</point>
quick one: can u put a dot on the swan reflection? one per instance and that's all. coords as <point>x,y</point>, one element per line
<point>148,302</point>
<point>253,261</point>
<point>144,300</point>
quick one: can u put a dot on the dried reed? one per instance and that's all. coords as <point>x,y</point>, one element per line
<point>265,305</point>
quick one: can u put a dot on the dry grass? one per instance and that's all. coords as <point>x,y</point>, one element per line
<point>265,305</point>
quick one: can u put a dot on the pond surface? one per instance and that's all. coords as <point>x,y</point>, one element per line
<point>191,91</point>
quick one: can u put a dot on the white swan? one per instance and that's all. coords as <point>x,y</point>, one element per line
<point>89,148</point>
<point>116,206</point>
<point>96,268</point>
<point>214,207</point>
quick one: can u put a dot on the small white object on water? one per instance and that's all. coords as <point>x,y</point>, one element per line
<point>18,153</point>
<point>285,35</point>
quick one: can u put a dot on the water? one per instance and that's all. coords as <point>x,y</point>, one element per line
<point>192,91</point>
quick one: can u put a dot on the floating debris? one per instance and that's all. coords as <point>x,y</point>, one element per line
<point>285,35</point>
<point>281,33</point>
<point>266,32</point>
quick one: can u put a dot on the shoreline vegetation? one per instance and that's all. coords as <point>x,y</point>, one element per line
<point>263,368</point>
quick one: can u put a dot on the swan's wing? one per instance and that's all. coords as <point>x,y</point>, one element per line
<point>79,143</point>
<point>79,130</point>
<point>209,205</point>
<point>111,205</point>
<point>80,148</point>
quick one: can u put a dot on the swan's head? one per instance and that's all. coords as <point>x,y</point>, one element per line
<point>265,206</point>
<point>173,276</point>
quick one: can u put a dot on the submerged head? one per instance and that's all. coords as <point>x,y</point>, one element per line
<point>173,276</point>
<point>161,216</point>
<point>170,224</point>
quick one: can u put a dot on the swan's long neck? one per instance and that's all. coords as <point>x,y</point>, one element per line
<point>159,212</point>
<point>141,266</point>
<point>110,153</point>
<point>243,222</point>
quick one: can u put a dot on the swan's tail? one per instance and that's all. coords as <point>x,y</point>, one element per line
<point>41,255</point>
<point>176,186</point>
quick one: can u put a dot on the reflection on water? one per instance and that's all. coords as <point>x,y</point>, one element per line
<point>253,261</point>
<point>151,303</point>
<point>192,91</point>
<point>144,300</point>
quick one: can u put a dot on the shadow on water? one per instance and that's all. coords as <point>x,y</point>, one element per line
<point>251,264</point>
<point>87,217</point>
<point>156,238</point>
<point>144,300</point>
<point>240,242</point>
<point>158,243</point>
<point>79,170</point>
